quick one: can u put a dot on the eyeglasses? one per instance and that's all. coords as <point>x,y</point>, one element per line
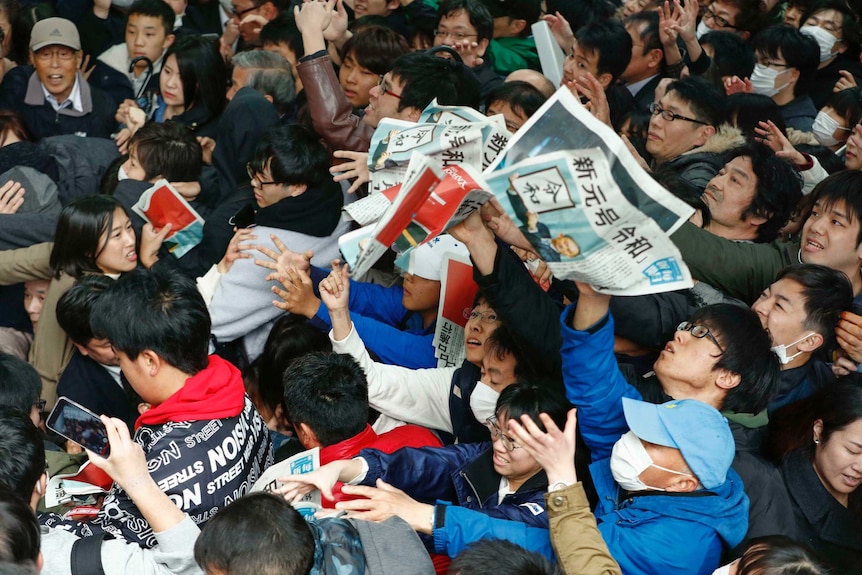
<point>508,443</point>
<point>699,331</point>
<point>255,176</point>
<point>454,35</point>
<point>40,404</point>
<point>241,13</point>
<point>769,64</point>
<point>669,116</point>
<point>484,316</point>
<point>381,85</point>
<point>717,20</point>
<point>65,54</point>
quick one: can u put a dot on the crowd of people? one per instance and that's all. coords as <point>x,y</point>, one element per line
<point>716,429</point>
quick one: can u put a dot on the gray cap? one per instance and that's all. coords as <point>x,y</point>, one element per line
<point>54,31</point>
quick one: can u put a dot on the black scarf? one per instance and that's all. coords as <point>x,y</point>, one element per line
<point>316,212</point>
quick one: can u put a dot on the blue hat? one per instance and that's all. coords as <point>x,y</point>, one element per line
<point>698,430</point>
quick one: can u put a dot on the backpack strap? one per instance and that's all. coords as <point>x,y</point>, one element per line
<point>87,555</point>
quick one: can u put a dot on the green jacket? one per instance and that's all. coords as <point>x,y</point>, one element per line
<point>510,54</point>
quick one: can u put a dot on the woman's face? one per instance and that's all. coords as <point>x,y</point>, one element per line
<point>171,84</point>
<point>117,244</point>
<point>6,26</point>
<point>838,460</point>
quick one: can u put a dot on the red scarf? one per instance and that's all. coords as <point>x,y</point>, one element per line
<point>216,392</point>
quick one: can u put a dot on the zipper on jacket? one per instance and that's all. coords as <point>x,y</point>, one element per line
<point>476,493</point>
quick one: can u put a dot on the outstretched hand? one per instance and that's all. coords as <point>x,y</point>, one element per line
<point>284,258</point>
<point>335,288</point>
<point>553,449</point>
<point>297,294</point>
<point>382,502</point>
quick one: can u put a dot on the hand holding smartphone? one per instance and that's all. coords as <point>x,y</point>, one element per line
<point>79,425</point>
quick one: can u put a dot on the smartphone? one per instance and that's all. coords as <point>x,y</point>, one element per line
<point>77,423</point>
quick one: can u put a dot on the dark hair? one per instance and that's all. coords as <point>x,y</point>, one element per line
<point>283,30</point>
<point>19,50</point>
<point>11,121</point>
<point>294,155</point>
<point>747,353</point>
<point>203,74</point>
<point>579,14</point>
<point>649,35</point>
<point>290,337</point>
<point>611,42</point>
<point>22,453</point>
<point>169,150</point>
<point>500,557</point>
<point>780,555</point>
<point>750,18</point>
<point>706,101</point>
<point>78,237</point>
<point>501,343</point>
<point>20,535</point>
<point>158,310</point>
<point>20,384</point>
<point>778,189</point>
<point>732,55</point>
<point>532,399</point>
<point>827,293</point>
<point>258,534</point>
<point>74,307</point>
<point>426,77</point>
<point>156,9</point>
<point>844,187</point>
<point>848,104</point>
<point>522,97</point>
<point>849,22</point>
<point>479,16</point>
<point>329,393</point>
<point>799,51</point>
<point>375,48</point>
<point>750,109</point>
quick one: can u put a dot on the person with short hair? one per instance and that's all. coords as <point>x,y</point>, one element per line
<point>159,327</point>
<point>367,55</point>
<point>267,73</point>
<point>20,387</point>
<point>513,47</point>
<point>52,95</point>
<point>500,557</point>
<point>516,100</point>
<point>648,64</point>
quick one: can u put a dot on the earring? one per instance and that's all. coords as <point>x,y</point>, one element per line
<point>816,441</point>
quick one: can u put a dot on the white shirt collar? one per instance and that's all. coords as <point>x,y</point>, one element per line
<point>636,87</point>
<point>74,100</point>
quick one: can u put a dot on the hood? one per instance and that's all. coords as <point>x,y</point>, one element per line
<point>726,138</point>
<point>216,392</point>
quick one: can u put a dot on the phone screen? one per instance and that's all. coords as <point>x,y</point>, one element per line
<point>79,424</point>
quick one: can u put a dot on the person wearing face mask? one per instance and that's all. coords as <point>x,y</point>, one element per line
<point>835,121</point>
<point>786,65</point>
<point>834,27</point>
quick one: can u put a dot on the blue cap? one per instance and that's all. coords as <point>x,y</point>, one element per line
<point>698,430</point>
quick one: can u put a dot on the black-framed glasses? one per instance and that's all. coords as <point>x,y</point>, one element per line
<point>508,443</point>
<point>384,89</point>
<point>717,20</point>
<point>699,331</point>
<point>484,316</point>
<point>454,35</point>
<point>240,13</point>
<point>669,116</point>
<point>254,176</point>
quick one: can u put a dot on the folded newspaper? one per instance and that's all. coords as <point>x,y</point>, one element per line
<point>457,290</point>
<point>76,486</point>
<point>161,205</point>
<point>299,464</point>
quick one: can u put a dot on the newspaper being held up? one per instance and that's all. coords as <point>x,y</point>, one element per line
<point>75,487</point>
<point>577,219</point>
<point>457,290</point>
<point>394,141</point>
<point>299,464</point>
<point>430,201</point>
<point>161,205</point>
<point>495,135</point>
<point>562,123</point>
<point>371,208</point>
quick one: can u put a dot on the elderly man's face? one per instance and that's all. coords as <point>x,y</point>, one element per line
<point>57,67</point>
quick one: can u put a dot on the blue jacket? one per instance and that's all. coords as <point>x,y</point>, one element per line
<point>390,331</point>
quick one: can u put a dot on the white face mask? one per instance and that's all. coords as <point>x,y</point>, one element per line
<point>781,350</point>
<point>702,29</point>
<point>629,459</point>
<point>824,127</point>
<point>122,175</point>
<point>763,80</point>
<point>825,40</point>
<point>483,402</point>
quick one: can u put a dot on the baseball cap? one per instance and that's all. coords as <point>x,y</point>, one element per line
<point>426,261</point>
<point>698,430</point>
<point>54,31</point>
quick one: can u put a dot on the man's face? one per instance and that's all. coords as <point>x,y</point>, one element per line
<point>374,7</point>
<point>728,195</point>
<point>720,16</point>
<point>383,101</point>
<point>667,140</point>
<point>579,62</point>
<point>250,31</point>
<point>456,27</point>
<point>477,331</point>
<point>566,246</point>
<point>101,351</point>
<point>781,309</point>
<point>145,36</point>
<point>34,297</point>
<point>237,81</point>
<point>514,119</point>
<point>420,294</point>
<point>639,67</point>
<point>285,52</point>
<point>132,166</point>
<point>829,238</point>
<point>685,365</point>
<point>356,81</point>
<point>57,67</point>
<point>498,373</point>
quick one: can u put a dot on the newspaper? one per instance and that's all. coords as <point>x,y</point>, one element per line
<point>431,200</point>
<point>161,205</point>
<point>299,464</point>
<point>570,209</point>
<point>457,290</point>
<point>562,123</point>
<point>495,135</point>
<point>67,487</point>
